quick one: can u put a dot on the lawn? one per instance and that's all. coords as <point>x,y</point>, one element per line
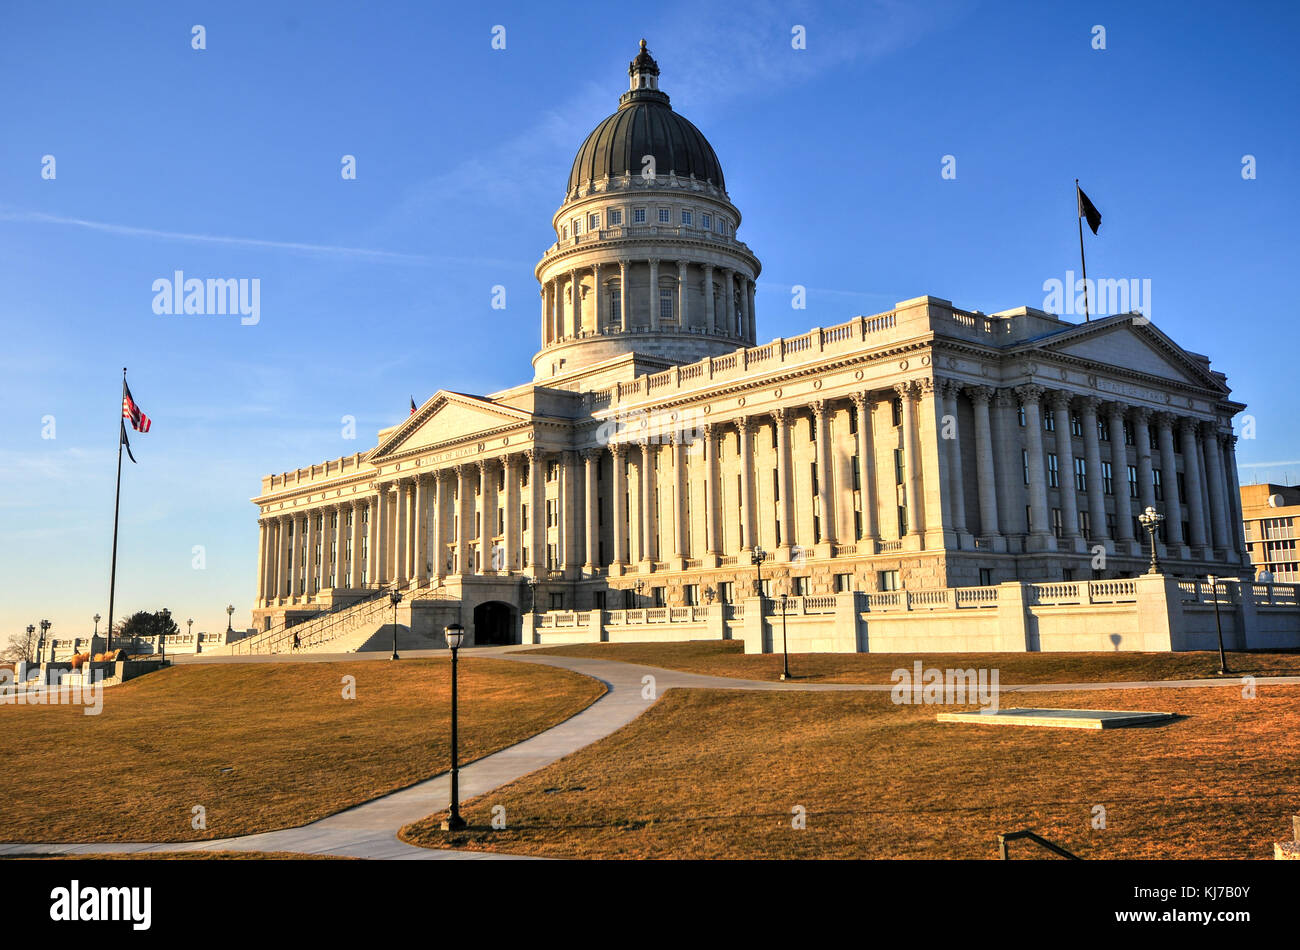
<point>718,773</point>
<point>727,658</point>
<point>258,746</point>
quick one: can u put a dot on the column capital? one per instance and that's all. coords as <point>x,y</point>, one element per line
<point>779,415</point>
<point>818,407</point>
<point>859,399</point>
<point>1004,398</point>
<point>1141,414</point>
<point>591,454</point>
<point>1165,420</point>
<point>1089,404</point>
<point>905,389</point>
<point>926,386</point>
<point>1029,392</point>
<point>1115,410</point>
<point>1059,399</point>
<point>617,450</point>
<point>743,424</point>
<point>1188,425</point>
<point>981,395</point>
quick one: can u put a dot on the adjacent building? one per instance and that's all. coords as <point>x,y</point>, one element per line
<point>1270,514</point>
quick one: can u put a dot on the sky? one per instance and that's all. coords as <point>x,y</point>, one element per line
<point>905,149</point>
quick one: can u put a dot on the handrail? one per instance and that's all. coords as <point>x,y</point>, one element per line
<point>274,633</point>
<point>1028,835</point>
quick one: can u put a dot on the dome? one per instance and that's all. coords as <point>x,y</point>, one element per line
<point>645,124</point>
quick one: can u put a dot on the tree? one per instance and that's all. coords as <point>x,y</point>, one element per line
<point>144,625</point>
<point>20,647</point>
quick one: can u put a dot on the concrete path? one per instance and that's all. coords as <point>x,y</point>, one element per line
<point>369,830</point>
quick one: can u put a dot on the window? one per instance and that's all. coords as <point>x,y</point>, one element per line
<point>898,466</point>
<point>552,471</point>
<point>1081,474</point>
<point>727,592</point>
<point>665,216</point>
<point>1132,481</point>
<point>1053,471</point>
<point>853,422</point>
<point>593,222</point>
<point>557,600</point>
<point>615,217</point>
<point>1159,489</point>
<point>1076,425</point>
<point>1103,429</point>
<point>1049,421</point>
<point>986,577</point>
<point>1182,485</point>
<point>1110,524</point>
<point>1106,483</point>
<point>1057,525</point>
<point>843,583</point>
<point>564,231</point>
<point>887,580</point>
<point>523,517</point>
<point>616,304</point>
<point>855,475</point>
<point>691,594</point>
<point>1024,459</point>
<point>666,306</point>
<point>1020,415</point>
<point>1085,525</point>
<point>552,513</point>
<point>1128,433</point>
<point>902,520</point>
<point>1154,439</point>
<point>898,411</point>
<point>1067,574</point>
<point>638,215</point>
<point>686,218</point>
<point>599,600</point>
<point>657,596</point>
<point>577,226</point>
<point>629,599</point>
<point>812,429</point>
<point>552,560</point>
<point>706,222</point>
<point>799,586</point>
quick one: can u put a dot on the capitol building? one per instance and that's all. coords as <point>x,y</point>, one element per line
<point>972,464</point>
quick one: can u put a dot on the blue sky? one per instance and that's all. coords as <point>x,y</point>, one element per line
<point>225,162</point>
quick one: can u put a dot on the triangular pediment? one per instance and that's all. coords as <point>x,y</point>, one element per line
<point>1123,343</point>
<point>446,418</point>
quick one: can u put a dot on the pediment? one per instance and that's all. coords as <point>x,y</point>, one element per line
<point>1119,343</point>
<point>449,417</point>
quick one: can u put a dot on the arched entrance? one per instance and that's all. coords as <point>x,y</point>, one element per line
<point>494,624</point>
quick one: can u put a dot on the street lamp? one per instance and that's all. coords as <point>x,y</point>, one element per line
<point>96,624</point>
<point>31,632</point>
<point>757,557</point>
<point>1151,519</point>
<point>638,587</point>
<point>532,595</point>
<point>455,634</point>
<point>1218,624</point>
<point>784,645</point>
<point>162,634</point>
<point>189,628</point>
<point>45,629</point>
<point>230,613</point>
<point>395,598</point>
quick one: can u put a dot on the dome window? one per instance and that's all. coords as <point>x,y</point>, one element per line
<point>577,226</point>
<point>564,232</point>
<point>686,218</point>
<point>593,222</point>
<point>665,216</point>
<point>614,216</point>
<point>666,306</point>
<point>638,216</point>
<point>706,222</point>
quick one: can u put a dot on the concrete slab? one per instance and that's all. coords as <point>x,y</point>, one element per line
<point>1059,718</point>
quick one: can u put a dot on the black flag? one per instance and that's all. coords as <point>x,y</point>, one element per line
<point>412,405</point>
<point>127,444</point>
<point>1088,210</point>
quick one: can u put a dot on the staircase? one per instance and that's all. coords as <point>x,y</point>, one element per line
<point>343,630</point>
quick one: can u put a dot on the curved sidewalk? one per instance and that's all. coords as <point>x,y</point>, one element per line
<point>369,830</point>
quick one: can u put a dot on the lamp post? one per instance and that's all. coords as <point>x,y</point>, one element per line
<point>785,649</point>
<point>395,598</point>
<point>532,595</point>
<point>638,587</point>
<point>31,632</point>
<point>230,613</point>
<point>162,634</point>
<point>96,618</point>
<point>40,650</point>
<point>1218,624</point>
<point>1151,519</point>
<point>455,634</point>
<point>189,628</point>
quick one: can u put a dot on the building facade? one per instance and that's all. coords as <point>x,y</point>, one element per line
<point>1271,513</point>
<point>659,445</point>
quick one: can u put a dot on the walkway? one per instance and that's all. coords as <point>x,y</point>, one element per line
<point>369,830</point>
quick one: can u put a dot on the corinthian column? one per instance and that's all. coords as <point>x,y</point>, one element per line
<point>618,486</point>
<point>1119,479</point>
<point>1216,483</point>
<point>710,316</point>
<point>712,503</point>
<point>1169,483</point>
<point>784,483</point>
<point>510,519</point>
<point>1092,455</point>
<point>647,503</point>
<point>682,291</point>
<point>747,540</point>
<point>1060,407</point>
<point>866,448</point>
<point>980,396</point>
<point>950,439</point>
<point>1040,533</point>
<point>654,293</point>
<point>537,504</point>
<point>358,568</point>
<point>825,477</point>
<point>1192,480</point>
<point>911,495</point>
<point>622,294</point>
<point>591,493</point>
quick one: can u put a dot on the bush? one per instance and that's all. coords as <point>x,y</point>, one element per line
<point>78,660</point>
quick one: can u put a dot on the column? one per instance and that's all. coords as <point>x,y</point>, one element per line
<point>622,294</point>
<point>825,474</point>
<point>576,286</point>
<point>910,494</point>
<point>1040,530</point>
<point>1169,480</point>
<point>980,396</point>
<point>1192,481</point>
<point>654,293</point>
<point>464,518</point>
<point>683,287</point>
<point>490,559</point>
<point>1006,449</point>
<point>375,561</point>
<point>681,541</point>
<point>1216,482</point>
<point>601,316</point>
<point>618,487</point>
<point>401,532</point>
<point>747,539</point>
<point>1229,455</point>
<point>1119,476</point>
<point>591,496</point>
<point>728,303</point>
<point>932,469</point>
<point>537,507</point>
<point>785,483</point>
<point>866,446</point>
<point>950,435</point>
<point>511,539</point>
<point>357,563</point>
<point>311,571</point>
<point>557,309</point>
<point>261,561</point>
<point>710,317</point>
<point>421,530</point>
<point>743,291</point>
<point>712,506</point>
<point>1059,402</point>
<point>749,310</point>
<point>545,329</point>
<point>569,512</point>
<point>1142,443</point>
<point>341,545</point>
<point>647,500</point>
<point>1092,455</point>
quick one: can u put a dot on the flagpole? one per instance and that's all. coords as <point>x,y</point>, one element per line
<point>117,502</point>
<point>1078,207</point>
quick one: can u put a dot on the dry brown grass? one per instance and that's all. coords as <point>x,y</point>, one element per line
<point>186,856</point>
<point>727,658</point>
<point>296,750</point>
<point>716,774</point>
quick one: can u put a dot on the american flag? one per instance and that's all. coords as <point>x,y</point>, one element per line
<point>139,421</point>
